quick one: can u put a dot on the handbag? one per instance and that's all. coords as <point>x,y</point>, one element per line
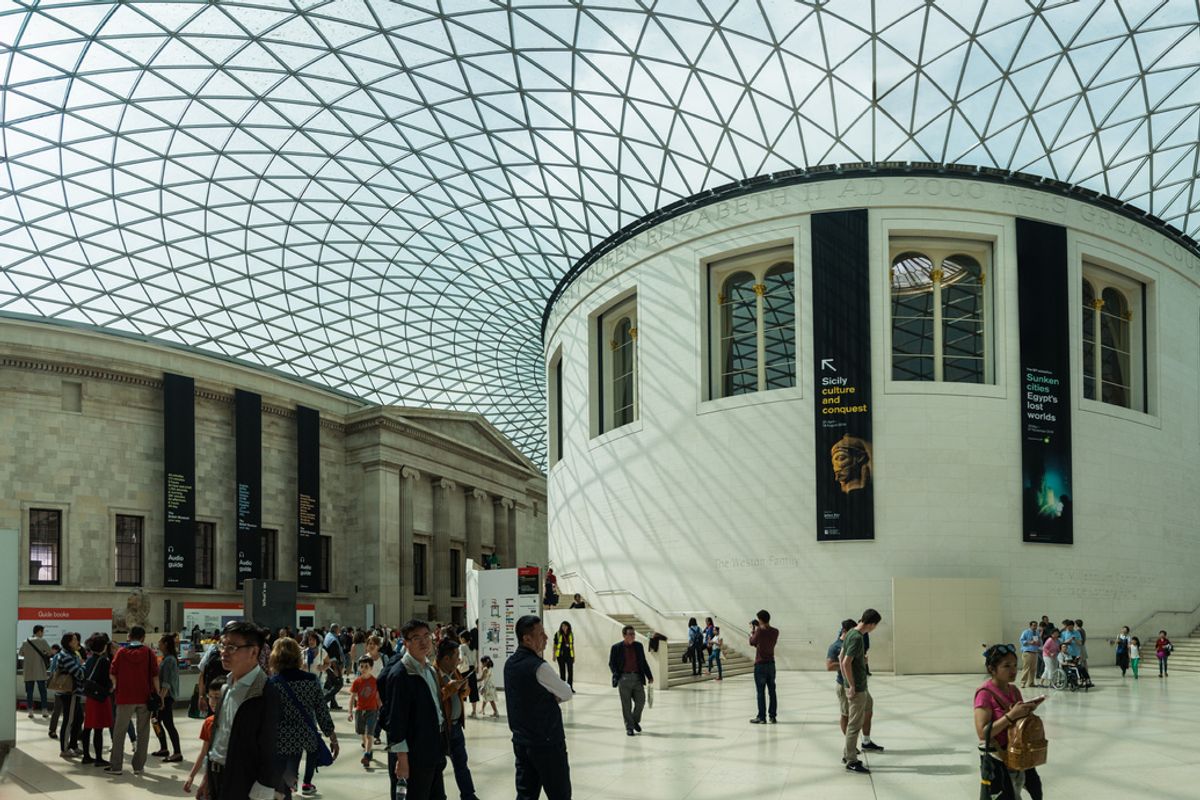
<point>994,783</point>
<point>323,756</point>
<point>154,700</point>
<point>61,682</point>
<point>93,688</point>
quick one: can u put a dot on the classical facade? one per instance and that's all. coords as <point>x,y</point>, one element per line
<point>697,398</point>
<point>406,495</point>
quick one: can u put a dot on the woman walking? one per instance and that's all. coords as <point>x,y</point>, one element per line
<point>168,680</point>
<point>302,711</point>
<point>1162,650</point>
<point>1122,643</point>
<point>97,710</point>
<point>564,653</point>
<point>998,701</point>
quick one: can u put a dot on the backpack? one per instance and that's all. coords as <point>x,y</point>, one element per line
<point>1027,745</point>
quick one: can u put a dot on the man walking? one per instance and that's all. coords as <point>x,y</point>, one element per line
<point>241,753</point>
<point>630,674</point>
<point>858,699</point>
<point>413,716</point>
<point>1031,648</point>
<point>36,655</point>
<point>763,638</point>
<point>133,676</point>
<point>532,694</point>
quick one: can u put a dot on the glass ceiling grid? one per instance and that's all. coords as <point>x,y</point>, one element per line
<point>381,197</point>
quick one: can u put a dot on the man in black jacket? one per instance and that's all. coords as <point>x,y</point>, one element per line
<point>412,716</point>
<point>532,694</point>
<point>241,755</point>
<point>630,674</point>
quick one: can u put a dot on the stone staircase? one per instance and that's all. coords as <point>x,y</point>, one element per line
<point>1185,657</point>
<point>680,673</point>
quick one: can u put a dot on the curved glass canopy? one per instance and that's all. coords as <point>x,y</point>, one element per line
<point>380,196</point>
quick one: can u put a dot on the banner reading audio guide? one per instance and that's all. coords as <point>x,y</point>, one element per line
<point>248,484</point>
<point>1042,292</point>
<point>179,481</point>
<point>842,376</point>
<point>308,485</point>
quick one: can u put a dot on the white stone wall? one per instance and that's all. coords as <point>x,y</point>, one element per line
<point>709,506</point>
<point>107,460</point>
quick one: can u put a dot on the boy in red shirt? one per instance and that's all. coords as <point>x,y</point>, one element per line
<point>364,707</point>
<point>215,692</point>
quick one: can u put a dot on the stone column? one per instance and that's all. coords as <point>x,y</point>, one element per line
<point>381,529</point>
<point>475,525</point>
<point>443,496</point>
<point>408,478</point>
<point>504,543</point>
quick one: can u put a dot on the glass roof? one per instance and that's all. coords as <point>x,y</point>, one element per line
<point>380,196</point>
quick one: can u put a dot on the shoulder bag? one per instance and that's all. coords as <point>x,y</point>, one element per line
<point>62,681</point>
<point>323,756</point>
<point>154,700</point>
<point>93,688</point>
<point>45,656</point>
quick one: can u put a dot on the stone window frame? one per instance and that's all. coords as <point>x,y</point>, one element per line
<point>939,249</point>
<point>1101,279</point>
<point>612,323</point>
<point>424,582</point>
<point>64,539</point>
<point>757,262</point>
<point>145,515</point>
<point>554,407</point>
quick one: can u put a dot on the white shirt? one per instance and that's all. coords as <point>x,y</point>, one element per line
<point>235,695</point>
<point>548,678</point>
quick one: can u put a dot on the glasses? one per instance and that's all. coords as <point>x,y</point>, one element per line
<point>225,647</point>
<point>420,637</point>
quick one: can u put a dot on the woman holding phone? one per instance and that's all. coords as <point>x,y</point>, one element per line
<point>999,702</point>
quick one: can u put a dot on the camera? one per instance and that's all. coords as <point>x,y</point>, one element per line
<point>753,623</point>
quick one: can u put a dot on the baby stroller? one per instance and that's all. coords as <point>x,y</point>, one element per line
<point>1077,675</point>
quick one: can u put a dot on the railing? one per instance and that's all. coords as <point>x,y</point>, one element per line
<point>722,622</point>
<point>1154,614</point>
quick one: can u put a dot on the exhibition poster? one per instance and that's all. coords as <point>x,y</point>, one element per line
<point>505,595</point>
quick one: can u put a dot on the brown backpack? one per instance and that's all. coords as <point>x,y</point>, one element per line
<point>1027,743</point>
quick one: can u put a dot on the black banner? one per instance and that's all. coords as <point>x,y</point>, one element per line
<point>179,483</point>
<point>841,305</point>
<point>308,484</point>
<point>1043,296</point>
<point>248,484</point>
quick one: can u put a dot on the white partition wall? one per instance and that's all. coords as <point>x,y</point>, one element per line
<point>9,544</point>
<point>660,486</point>
<point>941,625</point>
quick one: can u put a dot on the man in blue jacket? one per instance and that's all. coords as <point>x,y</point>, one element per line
<point>630,674</point>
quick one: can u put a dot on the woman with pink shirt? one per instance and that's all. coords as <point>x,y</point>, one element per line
<point>1050,651</point>
<point>998,702</point>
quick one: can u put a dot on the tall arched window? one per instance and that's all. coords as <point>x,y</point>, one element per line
<point>617,360</point>
<point>1113,346</point>
<point>940,311</point>
<point>753,341</point>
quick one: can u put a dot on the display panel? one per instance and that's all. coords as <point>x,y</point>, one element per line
<point>308,487</point>
<point>179,481</point>
<point>843,480</point>
<point>248,484</point>
<point>1044,315</point>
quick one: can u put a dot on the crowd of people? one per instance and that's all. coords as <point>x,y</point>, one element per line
<point>267,698</point>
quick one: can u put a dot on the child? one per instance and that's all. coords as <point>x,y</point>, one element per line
<point>214,691</point>
<point>487,688</point>
<point>364,707</point>
<point>1135,655</point>
<point>715,642</point>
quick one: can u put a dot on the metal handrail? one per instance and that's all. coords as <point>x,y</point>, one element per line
<point>684,614</point>
<point>1156,613</point>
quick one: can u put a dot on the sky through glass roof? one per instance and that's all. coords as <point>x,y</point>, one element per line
<point>380,196</point>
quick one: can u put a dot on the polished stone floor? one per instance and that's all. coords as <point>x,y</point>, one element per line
<point>1123,739</point>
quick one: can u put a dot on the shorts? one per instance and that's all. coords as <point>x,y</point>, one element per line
<point>843,703</point>
<point>364,722</point>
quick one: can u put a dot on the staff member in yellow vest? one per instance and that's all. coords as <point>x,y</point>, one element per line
<point>564,653</point>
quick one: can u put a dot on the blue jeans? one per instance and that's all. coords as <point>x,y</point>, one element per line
<point>41,687</point>
<point>715,655</point>
<point>458,758</point>
<point>764,681</point>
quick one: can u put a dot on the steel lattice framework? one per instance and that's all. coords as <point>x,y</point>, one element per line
<point>380,196</point>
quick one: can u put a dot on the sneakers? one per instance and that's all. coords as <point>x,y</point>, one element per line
<point>857,766</point>
<point>45,713</point>
<point>873,747</point>
<point>31,714</point>
<point>307,788</point>
<point>758,721</point>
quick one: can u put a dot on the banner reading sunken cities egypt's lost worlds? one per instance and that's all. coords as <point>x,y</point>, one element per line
<point>842,376</point>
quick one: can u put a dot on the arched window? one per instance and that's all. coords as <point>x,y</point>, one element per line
<point>940,327</point>
<point>753,342</point>
<point>1113,350</point>
<point>617,360</point>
